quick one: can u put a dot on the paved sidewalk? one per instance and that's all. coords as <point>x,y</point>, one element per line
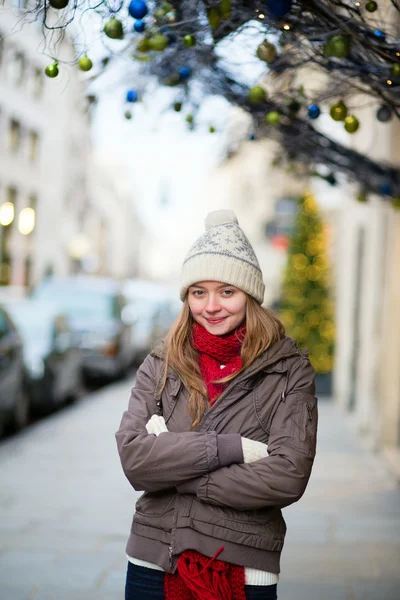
<point>66,508</point>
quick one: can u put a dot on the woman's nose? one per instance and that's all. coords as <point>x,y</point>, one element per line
<point>212,304</point>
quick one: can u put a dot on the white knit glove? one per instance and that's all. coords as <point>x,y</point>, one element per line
<point>253,451</point>
<point>156,425</point>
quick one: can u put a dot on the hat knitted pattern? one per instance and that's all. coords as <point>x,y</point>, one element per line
<point>199,577</point>
<point>223,253</point>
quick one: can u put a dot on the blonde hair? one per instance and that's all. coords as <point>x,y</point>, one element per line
<point>263,329</point>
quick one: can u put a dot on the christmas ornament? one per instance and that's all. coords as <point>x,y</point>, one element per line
<point>381,35</point>
<point>214,17</point>
<point>159,14</point>
<point>225,9</point>
<point>266,51</point>
<point>184,73</point>
<point>396,70</point>
<point>139,26</point>
<point>137,9</point>
<point>85,64</point>
<point>279,8</point>
<point>338,111</point>
<point>172,80</point>
<point>113,29</point>
<point>385,189</point>
<point>351,124</point>
<point>52,70</point>
<point>158,42</point>
<point>177,106</point>
<point>384,114</point>
<point>128,115</point>
<point>314,111</point>
<point>131,96</point>
<point>396,202</point>
<point>371,6</point>
<point>189,119</point>
<point>337,46</point>
<point>273,118</point>
<point>257,95</point>
<point>211,129</point>
<point>143,45</point>
<point>362,197</point>
<point>58,4</point>
<point>189,41</point>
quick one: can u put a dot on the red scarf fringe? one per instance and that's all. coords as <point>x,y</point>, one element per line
<point>199,577</point>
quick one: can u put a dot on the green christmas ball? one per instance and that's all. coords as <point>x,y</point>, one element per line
<point>214,17</point>
<point>338,111</point>
<point>273,118</point>
<point>189,41</point>
<point>143,45</point>
<point>225,9</point>
<point>177,106</point>
<point>52,70</point>
<point>362,197</point>
<point>266,51</point>
<point>189,119</point>
<point>84,63</point>
<point>159,14</point>
<point>113,29</point>
<point>396,70</point>
<point>351,124</point>
<point>59,4</point>
<point>371,6</point>
<point>211,129</point>
<point>257,95</point>
<point>337,46</point>
<point>158,42</point>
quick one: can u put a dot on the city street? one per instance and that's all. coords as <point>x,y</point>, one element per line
<point>65,512</point>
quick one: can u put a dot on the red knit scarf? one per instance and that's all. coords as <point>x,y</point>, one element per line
<point>199,577</point>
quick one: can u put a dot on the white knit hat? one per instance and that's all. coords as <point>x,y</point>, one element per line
<point>223,253</point>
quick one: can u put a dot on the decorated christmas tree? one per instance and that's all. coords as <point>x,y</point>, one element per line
<point>306,306</point>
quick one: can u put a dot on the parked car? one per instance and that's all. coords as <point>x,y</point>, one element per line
<point>53,361</point>
<point>152,308</point>
<point>14,400</point>
<point>94,308</point>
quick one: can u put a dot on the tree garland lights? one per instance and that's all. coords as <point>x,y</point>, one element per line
<point>355,44</point>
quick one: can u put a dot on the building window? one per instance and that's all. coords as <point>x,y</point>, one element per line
<point>33,145</point>
<point>37,83</point>
<point>14,137</point>
<point>15,66</point>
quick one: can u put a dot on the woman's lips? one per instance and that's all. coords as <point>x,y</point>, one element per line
<point>215,321</point>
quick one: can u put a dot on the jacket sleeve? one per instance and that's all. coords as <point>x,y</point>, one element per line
<point>154,463</point>
<point>282,477</point>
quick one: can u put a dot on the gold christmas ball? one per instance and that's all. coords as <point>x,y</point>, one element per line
<point>225,9</point>
<point>214,17</point>
<point>266,51</point>
<point>273,118</point>
<point>143,45</point>
<point>113,29</point>
<point>396,70</point>
<point>396,202</point>
<point>371,6</point>
<point>59,4</point>
<point>211,129</point>
<point>189,41</point>
<point>338,111</point>
<point>351,124</point>
<point>52,70</point>
<point>337,46</point>
<point>177,106</point>
<point>85,64</point>
<point>257,95</point>
<point>158,42</point>
<point>189,119</point>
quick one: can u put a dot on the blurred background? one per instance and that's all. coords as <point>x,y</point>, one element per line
<point>103,188</point>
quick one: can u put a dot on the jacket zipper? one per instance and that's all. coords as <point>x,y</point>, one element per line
<point>170,552</point>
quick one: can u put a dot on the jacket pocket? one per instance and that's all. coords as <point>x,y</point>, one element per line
<point>304,423</point>
<point>154,504</point>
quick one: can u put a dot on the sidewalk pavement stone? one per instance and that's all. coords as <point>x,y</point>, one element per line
<point>66,510</point>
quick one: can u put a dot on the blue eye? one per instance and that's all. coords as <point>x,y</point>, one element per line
<point>229,292</point>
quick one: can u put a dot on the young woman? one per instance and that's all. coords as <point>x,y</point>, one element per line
<point>220,434</point>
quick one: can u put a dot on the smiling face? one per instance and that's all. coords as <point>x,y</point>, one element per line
<point>218,307</point>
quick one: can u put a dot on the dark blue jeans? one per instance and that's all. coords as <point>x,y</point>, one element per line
<point>148,584</point>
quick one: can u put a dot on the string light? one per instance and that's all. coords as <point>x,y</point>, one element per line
<point>286,26</point>
<point>261,16</point>
<point>389,82</point>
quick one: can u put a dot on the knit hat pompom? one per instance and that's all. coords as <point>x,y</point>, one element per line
<point>223,253</point>
<point>220,217</point>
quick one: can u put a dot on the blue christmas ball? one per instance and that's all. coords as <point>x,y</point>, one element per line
<point>314,111</point>
<point>139,26</point>
<point>138,9</point>
<point>131,96</point>
<point>279,8</point>
<point>385,189</point>
<point>184,73</point>
<point>381,35</point>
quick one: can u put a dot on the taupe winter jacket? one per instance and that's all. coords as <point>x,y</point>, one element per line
<point>199,494</point>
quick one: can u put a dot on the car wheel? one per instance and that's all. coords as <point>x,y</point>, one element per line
<point>20,415</point>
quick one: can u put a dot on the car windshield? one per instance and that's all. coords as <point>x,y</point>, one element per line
<point>34,323</point>
<point>78,303</point>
